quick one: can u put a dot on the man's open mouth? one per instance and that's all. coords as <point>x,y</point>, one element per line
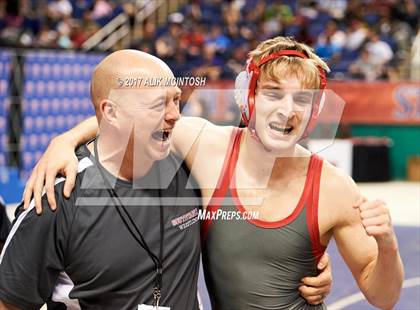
<point>281,128</point>
<point>161,135</point>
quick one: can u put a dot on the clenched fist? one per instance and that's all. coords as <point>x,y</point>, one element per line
<point>376,220</point>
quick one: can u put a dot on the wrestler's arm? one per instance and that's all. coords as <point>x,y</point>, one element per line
<point>187,134</point>
<point>366,240</point>
<point>82,132</point>
<point>58,158</point>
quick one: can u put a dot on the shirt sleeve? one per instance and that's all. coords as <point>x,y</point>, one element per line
<point>34,252</point>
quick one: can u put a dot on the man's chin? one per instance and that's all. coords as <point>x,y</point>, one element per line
<point>159,151</point>
<point>280,146</point>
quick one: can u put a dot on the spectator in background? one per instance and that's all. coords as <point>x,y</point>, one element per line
<point>406,11</point>
<point>79,7</point>
<point>12,22</point>
<point>194,39</point>
<point>31,23</point>
<point>46,37</point>
<point>356,35</point>
<point>254,13</point>
<point>147,41</point>
<point>327,50</point>
<point>231,14</point>
<point>4,224</point>
<point>193,12</point>
<point>379,51</point>
<point>101,8</point>
<point>78,35</point>
<point>363,68</point>
<point>309,10</point>
<point>63,39</point>
<point>248,32</point>
<point>233,21</point>
<point>335,8</point>
<point>236,62</point>
<point>354,10</point>
<point>167,44</point>
<point>210,65</point>
<point>89,25</point>
<point>233,33</point>
<point>179,64</point>
<point>64,28</point>
<point>337,37</point>
<point>58,9</point>
<point>217,39</point>
<point>276,16</point>
<point>330,42</point>
<point>303,34</point>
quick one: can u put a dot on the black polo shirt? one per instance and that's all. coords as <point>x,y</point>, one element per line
<point>83,256</point>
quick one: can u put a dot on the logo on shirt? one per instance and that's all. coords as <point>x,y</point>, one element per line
<point>186,220</point>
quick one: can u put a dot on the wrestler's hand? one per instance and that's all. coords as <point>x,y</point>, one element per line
<point>376,221</point>
<point>59,158</point>
<point>315,289</point>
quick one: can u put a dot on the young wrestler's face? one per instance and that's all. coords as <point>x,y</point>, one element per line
<point>282,112</point>
<point>149,116</point>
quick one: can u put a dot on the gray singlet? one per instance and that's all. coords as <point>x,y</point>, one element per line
<point>256,264</point>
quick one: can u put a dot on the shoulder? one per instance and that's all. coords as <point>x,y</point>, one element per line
<point>338,191</point>
<point>65,204</point>
<point>198,127</point>
<point>193,133</point>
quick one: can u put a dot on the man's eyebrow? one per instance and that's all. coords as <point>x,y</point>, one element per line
<point>270,86</point>
<point>304,92</point>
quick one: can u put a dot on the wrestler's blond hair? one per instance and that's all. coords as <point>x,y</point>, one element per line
<point>305,70</point>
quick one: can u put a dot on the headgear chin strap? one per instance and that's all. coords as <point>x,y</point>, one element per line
<point>246,83</point>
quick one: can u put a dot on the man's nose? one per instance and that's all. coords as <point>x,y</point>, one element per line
<point>172,112</point>
<point>286,107</point>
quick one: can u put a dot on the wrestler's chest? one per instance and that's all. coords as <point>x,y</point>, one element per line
<point>273,201</point>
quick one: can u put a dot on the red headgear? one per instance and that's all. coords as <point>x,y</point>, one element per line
<point>246,83</point>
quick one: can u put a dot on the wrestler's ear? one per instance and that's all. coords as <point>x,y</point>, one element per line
<point>108,110</point>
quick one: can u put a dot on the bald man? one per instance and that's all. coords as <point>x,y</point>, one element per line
<point>114,243</point>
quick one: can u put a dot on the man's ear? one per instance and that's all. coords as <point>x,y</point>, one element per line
<point>109,111</point>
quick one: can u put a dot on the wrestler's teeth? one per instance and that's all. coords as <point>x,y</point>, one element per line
<point>161,135</point>
<point>281,129</point>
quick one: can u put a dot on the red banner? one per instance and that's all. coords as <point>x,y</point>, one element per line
<point>379,102</point>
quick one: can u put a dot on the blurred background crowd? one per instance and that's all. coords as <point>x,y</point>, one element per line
<point>48,49</point>
<point>361,39</point>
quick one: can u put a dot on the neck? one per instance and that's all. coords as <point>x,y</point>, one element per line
<point>119,161</point>
<point>252,152</point>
